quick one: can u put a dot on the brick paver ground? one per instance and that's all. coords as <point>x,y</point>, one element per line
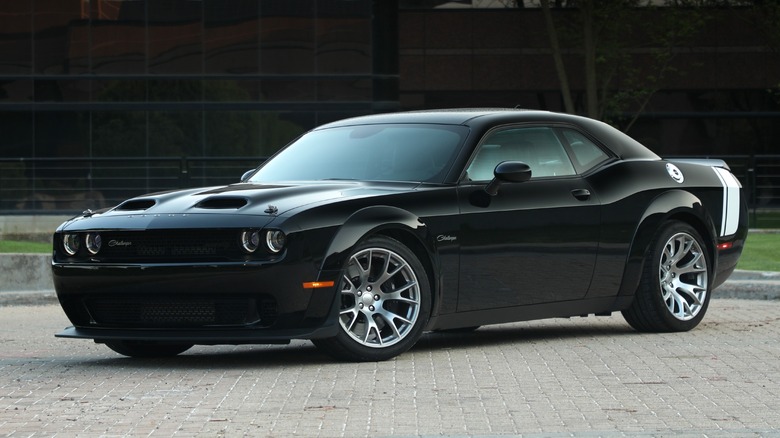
<point>582,377</point>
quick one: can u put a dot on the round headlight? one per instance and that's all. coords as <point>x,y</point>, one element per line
<point>94,241</point>
<point>250,240</point>
<point>275,240</point>
<point>71,243</point>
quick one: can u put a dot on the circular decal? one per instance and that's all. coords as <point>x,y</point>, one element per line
<point>675,173</point>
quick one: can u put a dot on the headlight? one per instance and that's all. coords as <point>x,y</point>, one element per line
<point>71,243</point>
<point>94,241</point>
<point>275,240</point>
<point>250,240</point>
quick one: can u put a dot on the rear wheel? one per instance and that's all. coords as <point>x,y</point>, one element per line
<point>385,302</point>
<point>674,292</point>
<point>147,349</point>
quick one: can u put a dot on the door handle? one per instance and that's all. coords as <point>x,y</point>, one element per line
<point>581,194</point>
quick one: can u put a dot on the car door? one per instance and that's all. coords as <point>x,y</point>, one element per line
<point>534,242</point>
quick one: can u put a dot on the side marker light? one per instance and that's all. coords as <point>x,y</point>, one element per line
<point>318,284</point>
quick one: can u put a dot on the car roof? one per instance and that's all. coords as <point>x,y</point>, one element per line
<point>456,116</point>
<point>482,119</point>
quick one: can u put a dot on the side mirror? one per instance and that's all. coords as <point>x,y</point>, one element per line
<point>247,174</point>
<point>508,172</point>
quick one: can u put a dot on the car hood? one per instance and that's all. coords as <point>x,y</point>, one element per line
<point>237,200</point>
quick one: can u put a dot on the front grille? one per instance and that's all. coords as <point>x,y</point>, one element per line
<point>170,245</point>
<point>176,312</point>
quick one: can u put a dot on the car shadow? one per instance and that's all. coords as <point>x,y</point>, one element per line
<point>299,353</point>
<point>518,333</point>
<point>304,353</point>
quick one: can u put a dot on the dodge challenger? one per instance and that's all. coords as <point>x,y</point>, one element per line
<point>363,234</point>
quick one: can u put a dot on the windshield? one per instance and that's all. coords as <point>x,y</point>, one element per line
<point>420,153</point>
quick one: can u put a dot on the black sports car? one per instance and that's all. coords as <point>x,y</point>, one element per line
<point>364,233</point>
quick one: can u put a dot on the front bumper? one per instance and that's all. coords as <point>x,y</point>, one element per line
<point>227,303</point>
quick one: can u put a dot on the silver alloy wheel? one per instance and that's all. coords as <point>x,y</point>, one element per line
<point>380,298</point>
<point>683,276</point>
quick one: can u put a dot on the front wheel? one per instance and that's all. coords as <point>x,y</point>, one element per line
<point>147,349</point>
<point>385,302</point>
<point>674,292</point>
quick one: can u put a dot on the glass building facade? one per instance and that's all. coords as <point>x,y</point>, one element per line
<point>105,99</point>
<point>161,78</point>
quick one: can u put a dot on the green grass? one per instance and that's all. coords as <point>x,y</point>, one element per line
<point>762,251</point>
<point>7,246</point>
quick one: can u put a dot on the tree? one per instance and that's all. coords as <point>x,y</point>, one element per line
<point>555,45</point>
<point>603,35</point>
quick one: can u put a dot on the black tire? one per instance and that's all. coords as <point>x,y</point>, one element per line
<point>674,291</point>
<point>385,303</point>
<point>142,349</point>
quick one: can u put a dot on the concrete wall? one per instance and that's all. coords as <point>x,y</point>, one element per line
<point>25,272</point>
<point>38,228</point>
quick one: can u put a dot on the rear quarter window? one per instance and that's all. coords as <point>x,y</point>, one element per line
<point>585,154</point>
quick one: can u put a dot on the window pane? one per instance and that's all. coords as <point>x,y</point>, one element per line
<point>288,39</point>
<point>61,133</point>
<point>175,90</point>
<point>232,133</point>
<point>118,48</point>
<point>55,42</point>
<point>224,90</point>
<point>586,154</point>
<point>175,37</point>
<point>19,90</point>
<point>537,147</point>
<point>15,37</point>
<point>119,90</point>
<point>231,37</point>
<point>17,129</point>
<point>62,90</point>
<point>343,45</point>
<point>176,133</point>
<point>286,90</point>
<point>16,176</point>
<point>119,134</point>
<point>355,89</point>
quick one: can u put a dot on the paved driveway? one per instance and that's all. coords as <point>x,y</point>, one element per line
<point>589,377</point>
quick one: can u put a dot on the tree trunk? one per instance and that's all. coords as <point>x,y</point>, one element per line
<point>589,46</point>
<point>568,103</point>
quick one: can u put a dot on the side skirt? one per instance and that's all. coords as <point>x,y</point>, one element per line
<point>564,309</point>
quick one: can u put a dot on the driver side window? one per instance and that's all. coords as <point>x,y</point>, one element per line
<point>537,147</point>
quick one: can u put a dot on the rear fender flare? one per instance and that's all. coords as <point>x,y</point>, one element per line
<point>675,204</point>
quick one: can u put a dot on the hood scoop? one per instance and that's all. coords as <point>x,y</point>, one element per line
<point>222,203</point>
<point>136,204</point>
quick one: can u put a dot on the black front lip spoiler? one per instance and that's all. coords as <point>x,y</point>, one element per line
<point>199,336</point>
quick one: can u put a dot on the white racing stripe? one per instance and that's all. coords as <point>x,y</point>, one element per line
<point>731,200</point>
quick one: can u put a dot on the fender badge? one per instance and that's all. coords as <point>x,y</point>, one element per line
<point>445,238</point>
<point>675,173</point>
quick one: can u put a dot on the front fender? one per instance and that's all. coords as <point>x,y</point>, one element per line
<point>675,204</point>
<point>368,221</point>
